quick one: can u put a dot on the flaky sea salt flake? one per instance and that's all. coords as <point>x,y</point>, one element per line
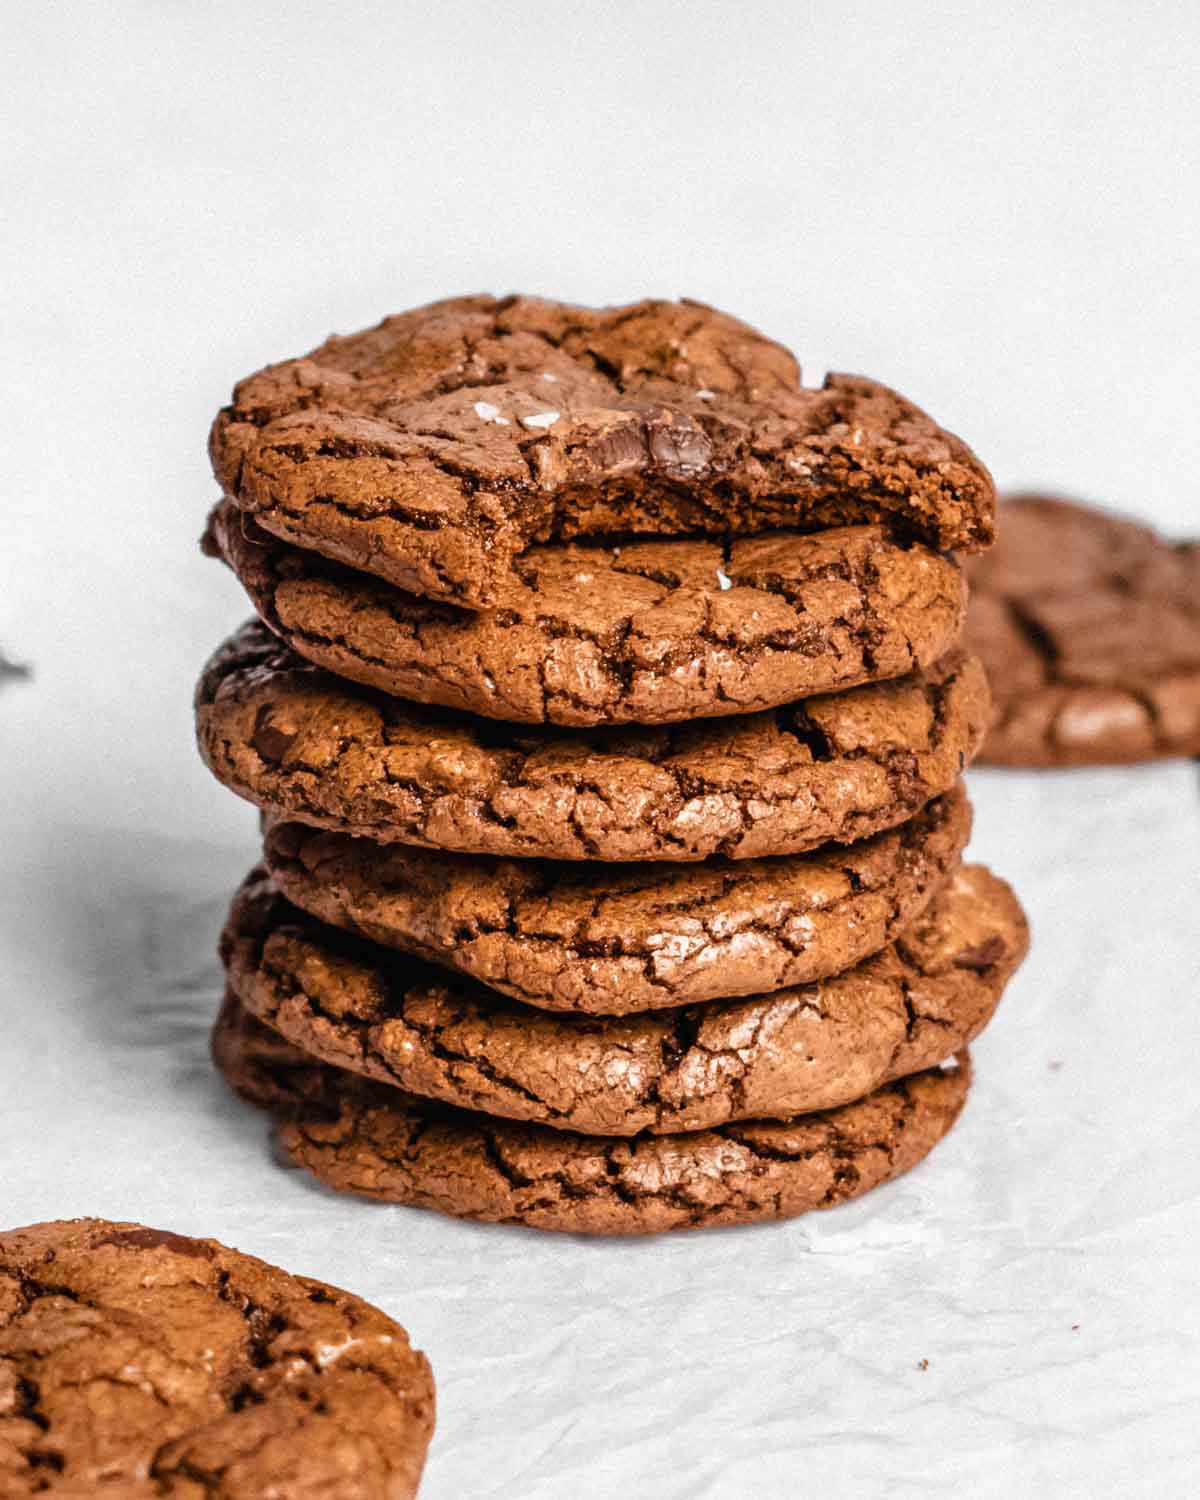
<point>541,419</point>
<point>486,412</point>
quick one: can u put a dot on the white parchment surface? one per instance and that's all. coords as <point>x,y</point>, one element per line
<point>990,206</point>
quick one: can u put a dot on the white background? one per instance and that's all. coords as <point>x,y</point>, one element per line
<point>992,206</point>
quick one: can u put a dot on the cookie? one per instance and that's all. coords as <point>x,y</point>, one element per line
<point>648,633</point>
<point>137,1362</point>
<point>1089,626</point>
<point>401,1022</point>
<point>435,448</point>
<point>615,939</point>
<point>304,745</point>
<point>366,1138</point>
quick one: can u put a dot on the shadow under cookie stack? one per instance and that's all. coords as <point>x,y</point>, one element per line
<point>606,714</point>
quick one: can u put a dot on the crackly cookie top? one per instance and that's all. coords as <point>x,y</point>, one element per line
<point>613,939</point>
<point>434,448</point>
<point>650,632</point>
<point>138,1362</point>
<point>369,1138</point>
<point>402,1022</point>
<point>1089,627</point>
<point>304,745</point>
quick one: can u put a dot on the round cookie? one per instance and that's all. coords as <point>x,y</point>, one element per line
<point>367,1138</point>
<point>435,448</point>
<point>651,632</point>
<point>1089,627</point>
<point>394,1019</point>
<point>302,744</point>
<point>141,1363</point>
<point>615,939</point>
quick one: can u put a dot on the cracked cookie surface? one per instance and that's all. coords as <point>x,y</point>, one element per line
<point>368,1138</point>
<point>650,632</point>
<point>435,448</point>
<point>615,939</point>
<point>138,1362</point>
<point>399,1021</point>
<point>1089,627</point>
<point>304,745</point>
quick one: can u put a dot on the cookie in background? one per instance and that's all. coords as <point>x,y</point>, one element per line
<point>1088,624</point>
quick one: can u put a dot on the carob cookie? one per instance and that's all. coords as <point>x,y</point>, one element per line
<point>348,1003</point>
<point>136,1362</point>
<point>614,939</point>
<point>1089,626</point>
<point>650,632</point>
<point>436,447</point>
<point>304,745</point>
<point>367,1138</point>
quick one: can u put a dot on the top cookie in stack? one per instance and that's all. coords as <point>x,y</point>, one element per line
<point>550,583</point>
<point>600,495</point>
<point>434,450</point>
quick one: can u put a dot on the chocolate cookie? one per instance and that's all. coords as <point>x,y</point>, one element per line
<point>395,1019</point>
<point>1089,626</point>
<point>652,632</point>
<point>136,1362</point>
<point>367,1138</point>
<point>435,448</point>
<point>304,745</point>
<point>614,939</point>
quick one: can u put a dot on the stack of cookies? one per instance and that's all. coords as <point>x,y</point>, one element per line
<point>606,712</point>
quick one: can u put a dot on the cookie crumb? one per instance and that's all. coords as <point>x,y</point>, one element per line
<point>923,1364</point>
<point>1075,1327</point>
